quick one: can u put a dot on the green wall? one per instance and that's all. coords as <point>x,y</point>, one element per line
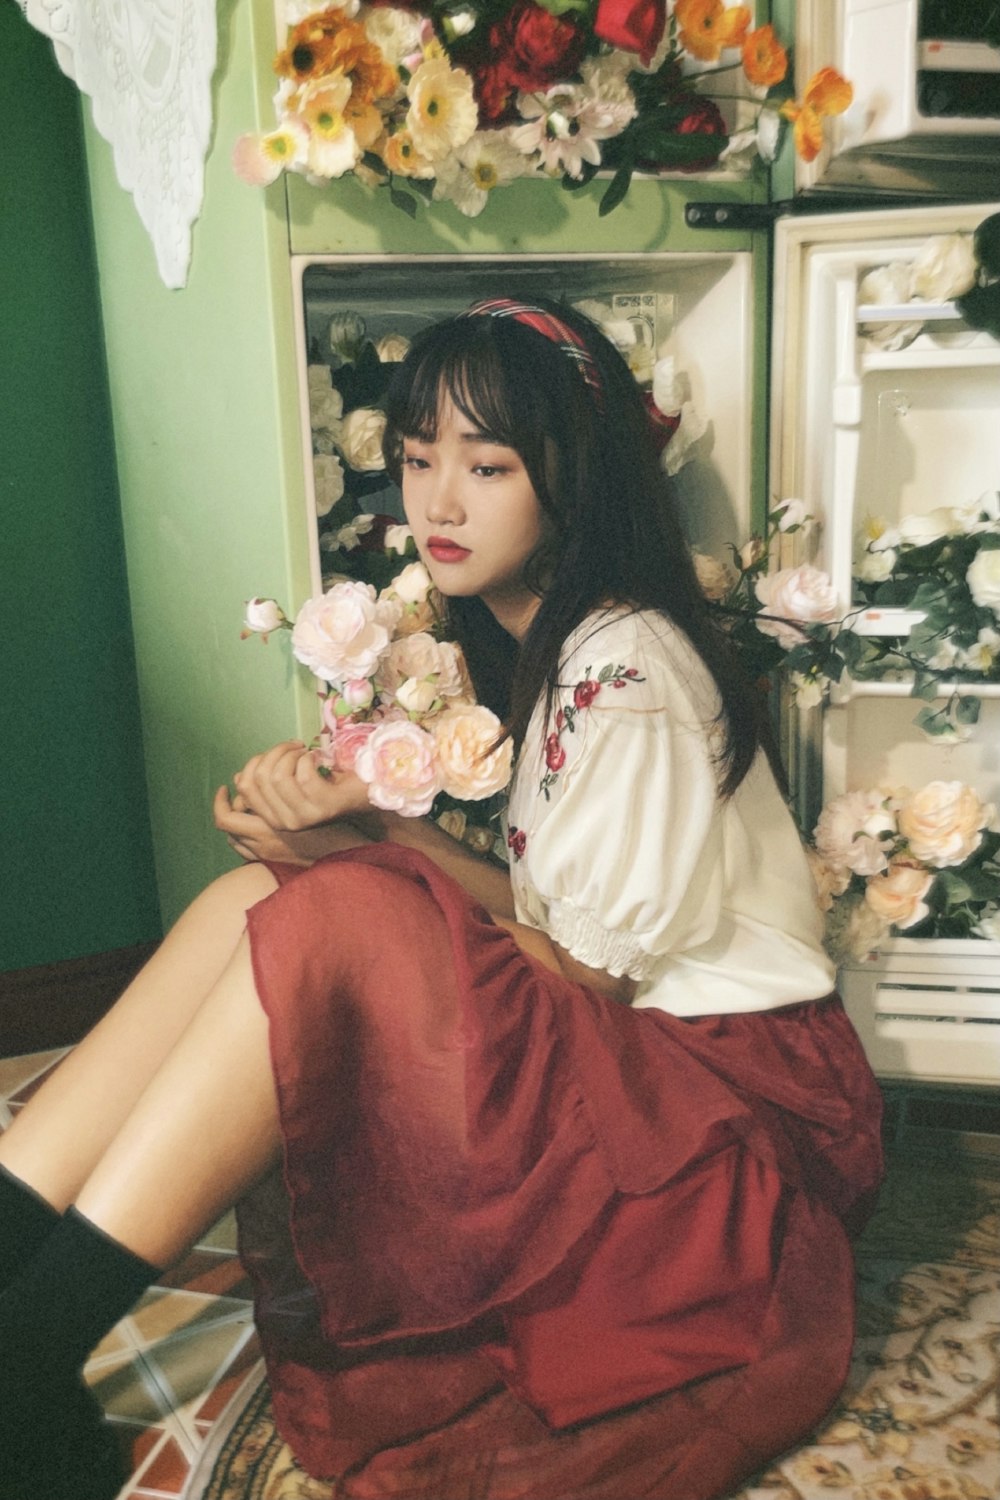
<point>75,845</point>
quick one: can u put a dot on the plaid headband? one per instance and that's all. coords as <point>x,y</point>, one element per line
<point>551,328</point>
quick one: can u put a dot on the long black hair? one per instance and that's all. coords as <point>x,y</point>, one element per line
<point>611,532</point>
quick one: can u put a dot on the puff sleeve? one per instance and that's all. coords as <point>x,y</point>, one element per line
<point>619,847</point>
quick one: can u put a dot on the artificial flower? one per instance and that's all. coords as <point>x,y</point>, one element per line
<point>260,159</point>
<point>633,25</point>
<point>715,578</point>
<point>328,482</point>
<point>399,765</point>
<point>392,348</point>
<point>944,267</point>
<point>794,597</point>
<point>442,113</point>
<point>486,161</point>
<point>897,897</point>
<point>983,579</point>
<point>261,617</point>
<point>765,61</point>
<point>401,156</point>
<point>342,633</point>
<point>536,48</point>
<point>707,26</point>
<point>470,763</point>
<point>943,823</point>
<point>826,94</point>
<point>360,438</point>
<point>854,832</point>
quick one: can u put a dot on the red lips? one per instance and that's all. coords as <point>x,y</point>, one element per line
<point>445,551</point>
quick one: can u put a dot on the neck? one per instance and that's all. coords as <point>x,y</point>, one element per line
<point>513,613</point>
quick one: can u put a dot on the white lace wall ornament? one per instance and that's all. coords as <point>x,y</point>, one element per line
<point>147,67</point>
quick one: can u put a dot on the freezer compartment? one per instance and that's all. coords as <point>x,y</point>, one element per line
<point>692,308</point>
<point>928,1009</point>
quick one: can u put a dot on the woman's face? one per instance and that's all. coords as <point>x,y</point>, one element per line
<point>474,515</point>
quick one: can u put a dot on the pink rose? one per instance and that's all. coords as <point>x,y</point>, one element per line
<point>347,742</point>
<point>399,763</point>
<point>804,594</point>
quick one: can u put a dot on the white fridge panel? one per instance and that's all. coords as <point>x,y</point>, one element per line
<point>872,742</point>
<point>692,308</point>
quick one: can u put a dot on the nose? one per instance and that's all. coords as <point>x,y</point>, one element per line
<point>444,500</point>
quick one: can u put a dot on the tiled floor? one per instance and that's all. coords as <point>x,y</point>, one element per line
<point>167,1370</point>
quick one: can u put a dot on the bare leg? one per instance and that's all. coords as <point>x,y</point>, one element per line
<point>204,1129</point>
<point>59,1138</point>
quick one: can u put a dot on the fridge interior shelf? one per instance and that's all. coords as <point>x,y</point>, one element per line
<point>929,1008</point>
<point>902,687</point>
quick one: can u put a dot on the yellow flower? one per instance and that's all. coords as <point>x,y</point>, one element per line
<point>707,26</point>
<point>442,113</point>
<point>765,61</point>
<point>401,156</point>
<point>826,93</point>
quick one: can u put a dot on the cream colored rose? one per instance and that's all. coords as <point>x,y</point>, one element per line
<point>469,769</point>
<point>792,513</point>
<point>453,820</point>
<point>715,578</point>
<point>983,578</point>
<point>804,594</point>
<point>343,633</point>
<point>854,830</point>
<point>807,689</point>
<point>886,286</point>
<point>876,567</point>
<point>396,33</point>
<point>943,822</point>
<point>360,438</point>
<point>944,267</point>
<point>392,348</point>
<point>421,657</point>
<point>897,897</point>
<point>328,481</point>
<point>417,695</point>
<point>988,925</point>
<point>412,584</point>
<point>262,616</point>
<point>326,404</point>
<point>398,538</point>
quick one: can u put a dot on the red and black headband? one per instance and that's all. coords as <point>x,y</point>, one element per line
<point>550,327</point>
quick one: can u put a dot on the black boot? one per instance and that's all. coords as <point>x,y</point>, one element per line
<point>54,1441</point>
<point>26,1221</point>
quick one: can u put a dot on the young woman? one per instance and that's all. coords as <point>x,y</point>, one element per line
<point>544,1177</point>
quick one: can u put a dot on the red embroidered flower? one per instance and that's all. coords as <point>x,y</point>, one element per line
<point>585,692</point>
<point>534,48</point>
<point>517,840</point>
<point>555,755</point>
<point>632,25</point>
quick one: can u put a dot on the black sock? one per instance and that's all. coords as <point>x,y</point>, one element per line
<point>26,1221</point>
<point>75,1289</point>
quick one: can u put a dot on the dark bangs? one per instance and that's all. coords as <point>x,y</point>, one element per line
<point>493,374</point>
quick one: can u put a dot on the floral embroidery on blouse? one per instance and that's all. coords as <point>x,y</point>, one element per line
<point>584,693</point>
<point>517,842</point>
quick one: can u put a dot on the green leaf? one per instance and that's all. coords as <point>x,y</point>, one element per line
<point>932,721</point>
<point>402,200</point>
<point>966,709</point>
<point>616,190</point>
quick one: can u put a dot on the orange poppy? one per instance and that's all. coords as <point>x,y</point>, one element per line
<point>707,26</point>
<point>765,61</point>
<point>826,93</point>
<point>311,47</point>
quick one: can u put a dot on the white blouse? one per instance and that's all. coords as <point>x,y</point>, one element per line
<point>622,851</point>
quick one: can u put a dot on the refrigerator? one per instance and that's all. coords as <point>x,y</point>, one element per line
<point>742,281</point>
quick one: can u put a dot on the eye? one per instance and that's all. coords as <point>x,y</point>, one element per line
<point>414,461</point>
<point>489,471</point>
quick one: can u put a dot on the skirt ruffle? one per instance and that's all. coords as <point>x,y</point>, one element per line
<point>525,1235</point>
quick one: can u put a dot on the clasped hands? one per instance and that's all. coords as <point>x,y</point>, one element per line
<point>284,809</point>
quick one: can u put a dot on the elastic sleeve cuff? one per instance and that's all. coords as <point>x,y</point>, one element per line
<point>581,934</point>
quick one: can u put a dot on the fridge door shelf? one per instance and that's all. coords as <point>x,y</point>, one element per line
<point>848,688</point>
<point>928,1008</point>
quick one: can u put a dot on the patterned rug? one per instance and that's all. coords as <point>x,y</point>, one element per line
<point>918,1419</point>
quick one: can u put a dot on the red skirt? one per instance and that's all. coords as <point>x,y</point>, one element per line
<point>528,1241</point>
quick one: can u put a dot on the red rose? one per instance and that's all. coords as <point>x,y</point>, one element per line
<point>494,93</point>
<point>585,692</point>
<point>703,118</point>
<point>632,25</point>
<point>662,425</point>
<point>555,755</point>
<point>534,48</point>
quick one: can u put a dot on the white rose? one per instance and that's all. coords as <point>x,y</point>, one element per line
<point>988,925</point>
<point>982,515</point>
<point>853,831</point>
<point>808,691</point>
<point>412,584</point>
<point>944,267</point>
<point>920,529</point>
<point>715,578</point>
<point>678,451</point>
<point>360,438</point>
<point>392,348</point>
<point>943,823</point>
<point>876,567</point>
<point>326,404</point>
<point>341,634</point>
<point>886,286</point>
<point>792,513</point>
<point>417,696</point>
<point>804,594</point>
<point>347,333</point>
<point>262,616</point>
<point>328,481</point>
<point>348,536</point>
<point>981,656</point>
<point>398,538</point>
<point>983,579</point>
<point>668,389</point>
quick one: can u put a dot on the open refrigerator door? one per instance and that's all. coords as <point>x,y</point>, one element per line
<point>885,423</point>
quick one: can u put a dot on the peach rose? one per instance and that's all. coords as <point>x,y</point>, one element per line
<point>897,897</point>
<point>943,823</point>
<point>420,656</point>
<point>715,578</point>
<point>469,769</point>
<point>399,764</point>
